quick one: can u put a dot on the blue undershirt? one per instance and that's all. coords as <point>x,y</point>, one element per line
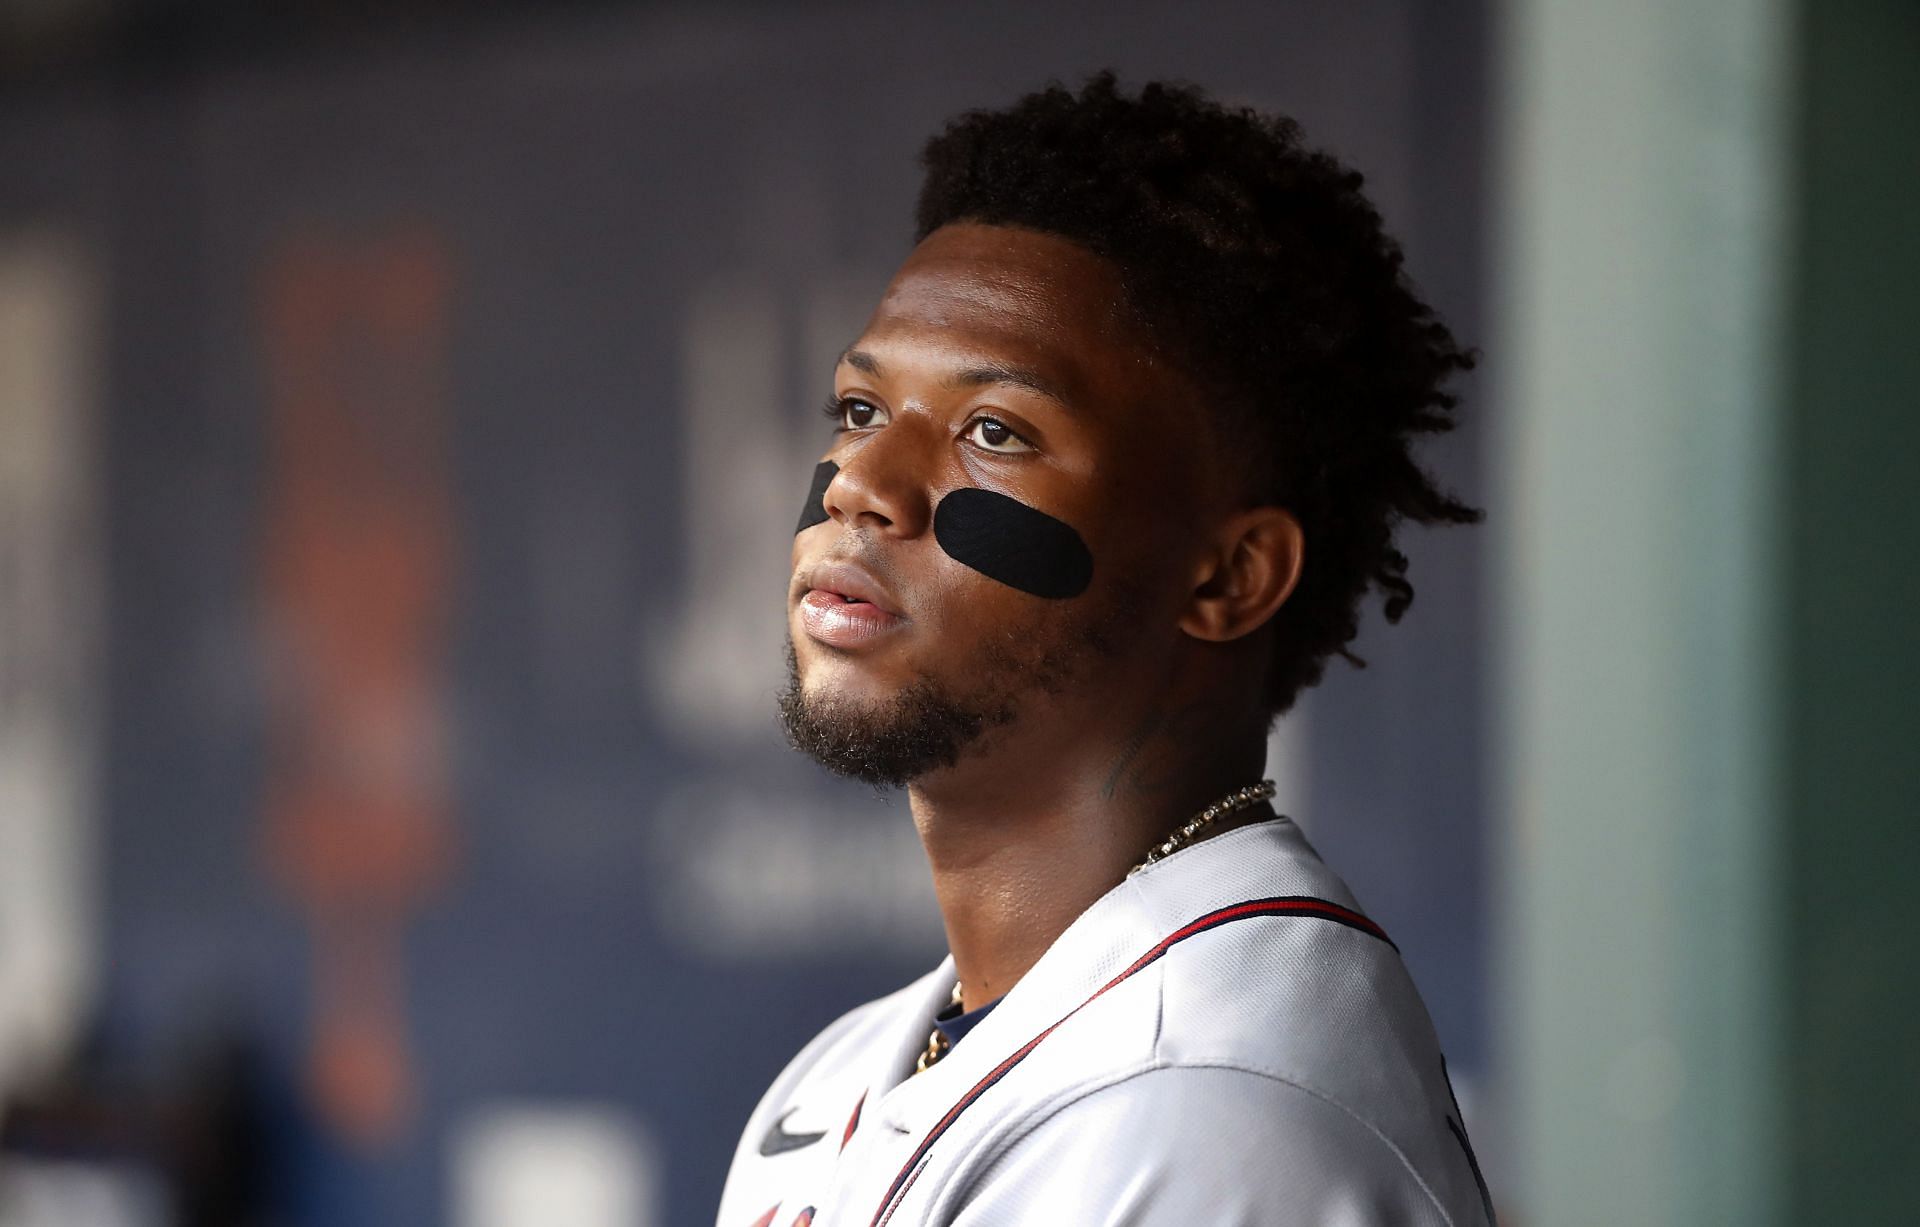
<point>955,1025</point>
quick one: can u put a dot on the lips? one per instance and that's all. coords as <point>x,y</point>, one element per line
<point>845,607</point>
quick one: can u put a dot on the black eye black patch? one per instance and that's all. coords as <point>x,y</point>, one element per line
<point>814,510</point>
<point>1006,540</point>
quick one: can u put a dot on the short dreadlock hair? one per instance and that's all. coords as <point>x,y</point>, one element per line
<point>1258,266</point>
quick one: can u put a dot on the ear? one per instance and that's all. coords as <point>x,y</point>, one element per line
<point>1247,576</point>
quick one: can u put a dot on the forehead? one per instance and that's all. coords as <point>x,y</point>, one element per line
<point>1043,300</point>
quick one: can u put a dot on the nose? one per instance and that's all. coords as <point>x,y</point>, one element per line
<point>885,482</point>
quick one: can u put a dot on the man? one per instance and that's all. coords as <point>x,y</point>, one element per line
<point>1116,459</point>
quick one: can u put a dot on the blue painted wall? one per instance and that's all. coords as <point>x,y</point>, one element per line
<point>645,909</point>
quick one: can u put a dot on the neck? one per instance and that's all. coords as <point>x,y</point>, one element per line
<point>1025,836</point>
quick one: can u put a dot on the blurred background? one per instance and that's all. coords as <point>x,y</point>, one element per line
<point>402,412</point>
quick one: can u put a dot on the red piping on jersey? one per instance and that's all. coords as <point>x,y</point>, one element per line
<point>1289,905</point>
<point>853,1122</point>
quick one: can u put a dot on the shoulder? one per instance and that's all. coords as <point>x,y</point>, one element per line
<point>1274,1055</point>
<point>853,1037</point>
<point>793,1137</point>
<point>1197,1143</point>
<point>1307,998</point>
<point>828,1077</point>
<point>1277,1072</point>
<point>1278,972</point>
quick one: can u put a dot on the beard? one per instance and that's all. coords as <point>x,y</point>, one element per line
<point>928,726</point>
<point>887,745</point>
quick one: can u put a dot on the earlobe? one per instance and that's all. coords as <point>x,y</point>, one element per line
<point>1250,575</point>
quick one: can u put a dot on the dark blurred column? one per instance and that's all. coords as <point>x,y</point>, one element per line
<point>1851,523</point>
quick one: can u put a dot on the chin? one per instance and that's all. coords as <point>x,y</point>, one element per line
<point>823,689</point>
<point>882,733</point>
<point>860,677</point>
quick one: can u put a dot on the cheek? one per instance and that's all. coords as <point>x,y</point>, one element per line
<point>1017,545</point>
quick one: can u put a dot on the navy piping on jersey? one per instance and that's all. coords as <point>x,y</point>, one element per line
<point>1288,905</point>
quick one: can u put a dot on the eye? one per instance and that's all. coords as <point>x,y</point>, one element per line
<point>850,413</point>
<point>992,435</point>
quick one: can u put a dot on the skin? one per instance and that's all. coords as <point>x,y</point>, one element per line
<point>1045,814</point>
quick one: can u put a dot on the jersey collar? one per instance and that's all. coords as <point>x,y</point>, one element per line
<point>1263,859</point>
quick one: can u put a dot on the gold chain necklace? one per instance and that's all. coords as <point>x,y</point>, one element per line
<point>937,1043</point>
<point>1252,794</point>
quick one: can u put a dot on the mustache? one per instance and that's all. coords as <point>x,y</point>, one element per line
<point>859,547</point>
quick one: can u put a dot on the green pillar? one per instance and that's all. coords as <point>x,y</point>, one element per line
<point>1640,227</point>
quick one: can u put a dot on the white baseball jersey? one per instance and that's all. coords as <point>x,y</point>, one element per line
<point>1221,1039</point>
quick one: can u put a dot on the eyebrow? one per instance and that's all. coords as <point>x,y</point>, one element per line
<point>980,374</point>
<point>861,360</point>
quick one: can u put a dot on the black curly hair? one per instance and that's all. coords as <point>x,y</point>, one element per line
<point>1257,266</point>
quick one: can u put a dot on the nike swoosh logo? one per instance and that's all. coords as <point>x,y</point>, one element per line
<point>778,1141</point>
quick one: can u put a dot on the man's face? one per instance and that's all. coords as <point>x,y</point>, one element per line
<point>999,360</point>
